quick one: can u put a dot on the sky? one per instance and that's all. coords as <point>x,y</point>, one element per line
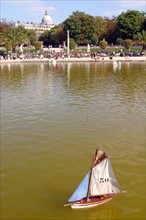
<point>59,10</point>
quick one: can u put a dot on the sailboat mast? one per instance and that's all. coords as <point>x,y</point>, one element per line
<point>89,182</point>
<point>93,159</point>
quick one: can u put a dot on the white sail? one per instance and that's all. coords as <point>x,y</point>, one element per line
<point>103,180</point>
<point>81,190</point>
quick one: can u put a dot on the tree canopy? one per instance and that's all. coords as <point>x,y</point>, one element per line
<point>129,23</point>
<point>101,27</point>
<point>81,27</point>
<point>53,37</point>
<point>12,37</point>
<point>84,29</point>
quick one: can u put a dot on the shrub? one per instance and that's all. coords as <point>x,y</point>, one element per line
<point>37,45</point>
<point>127,43</point>
<point>103,44</point>
<point>72,44</point>
<point>119,41</point>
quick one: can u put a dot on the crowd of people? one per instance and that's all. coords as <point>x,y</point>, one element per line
<point>62,55</point>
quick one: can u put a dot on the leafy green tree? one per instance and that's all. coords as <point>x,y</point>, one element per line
<point>94,39</point>
<point>3,27</point>
<point>111,34</point>
<point>81,27</point>
<point>60,36</point>
<point>45,37</point>
<point>129,23</point>
<point>101,26</point>
<point>8,46</point>
<point>143,42</point>
<point>15,36</point>
<point>32,36</point>
<point>53,37</point>
<point>144,23</point>
<point>140,38</point>
<point>4,24</point>
<point>103,44</point>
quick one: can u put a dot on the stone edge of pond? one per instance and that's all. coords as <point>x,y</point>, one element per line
<point>101,59</point>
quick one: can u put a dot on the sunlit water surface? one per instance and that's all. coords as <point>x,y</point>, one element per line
<point>52,119</point>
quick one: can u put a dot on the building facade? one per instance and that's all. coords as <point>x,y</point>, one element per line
<point>45,25</point>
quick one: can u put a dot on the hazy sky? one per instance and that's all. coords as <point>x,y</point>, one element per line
<point>33,10</point>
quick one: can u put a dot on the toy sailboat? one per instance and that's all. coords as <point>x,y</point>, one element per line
<point>98,186</point>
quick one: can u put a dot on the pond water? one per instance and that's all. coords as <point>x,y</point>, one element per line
<point>52,119</point>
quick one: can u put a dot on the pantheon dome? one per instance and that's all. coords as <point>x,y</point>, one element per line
<point>46,19</point>
<point>45,25</point>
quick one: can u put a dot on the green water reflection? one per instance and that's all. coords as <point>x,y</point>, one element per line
<point>52,118</point>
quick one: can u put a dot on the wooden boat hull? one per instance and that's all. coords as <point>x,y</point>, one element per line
<point>91,202</point>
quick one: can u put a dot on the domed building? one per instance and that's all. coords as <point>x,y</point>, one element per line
<point>45,25</point>
<point>47,20</point>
